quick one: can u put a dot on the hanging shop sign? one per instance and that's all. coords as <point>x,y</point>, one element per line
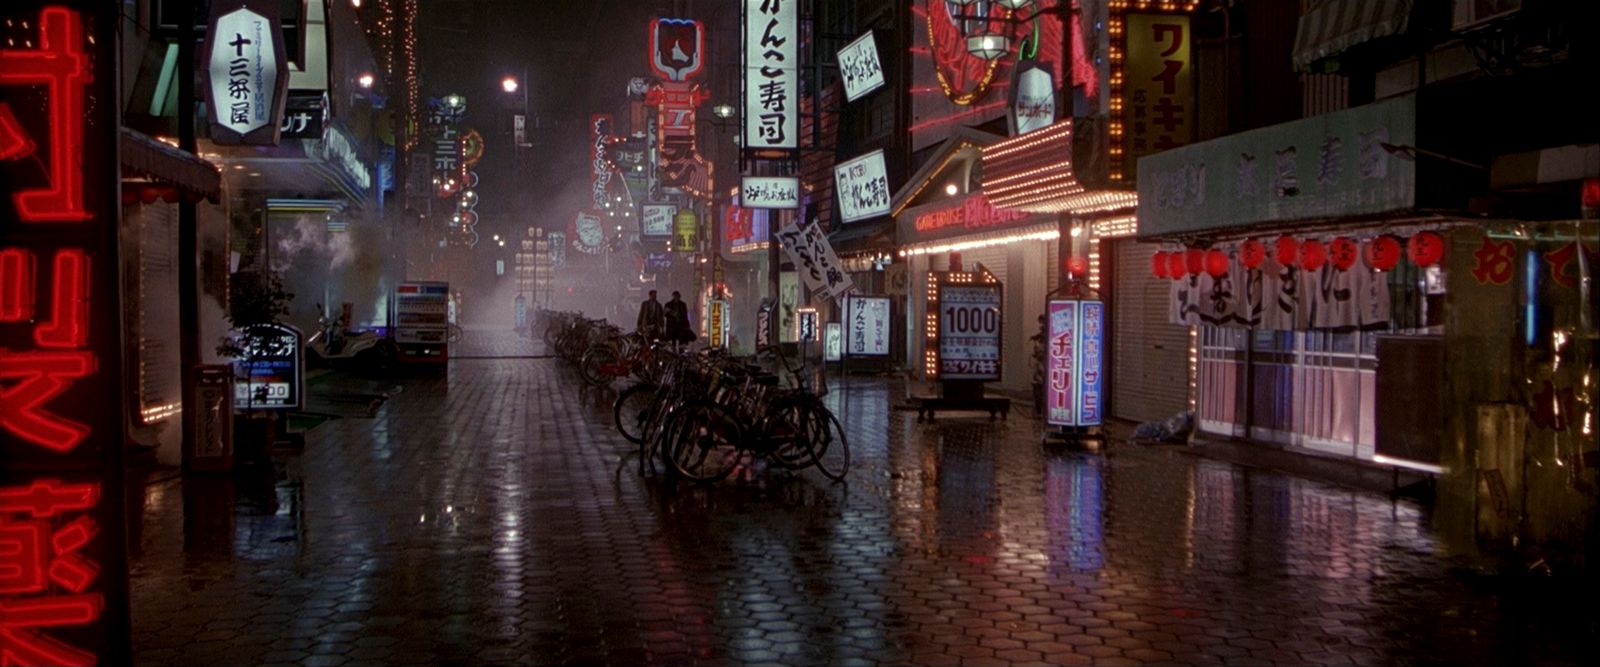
<point>588,232</point>
<point>969,328</point>
<point>655,220</point>
<point>268,375</point>
<point>248,72</point>
<point>814,259</point>
<point>445,115</point>
<point>769,192</point>
<point>304,116</point>
<point>686,231</point>
<point>599,163</point>
<point>832,342</point>
<point>1158,111</point>
<point>867,326</point>
<point>808,325</point>
<point>1032,103</point>
<point>764,326</point>
<point>657,262</point>
<point>63,555</point>
<point>1074,365</point>
<point>859,67</point>
<point>771,75</point>
<point>717,323</point>
<point>676,46</point>
<point>863,187</point>
<point>679,163</point>
<point>1328,166</point>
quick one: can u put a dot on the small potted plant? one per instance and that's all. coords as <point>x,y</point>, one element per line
<point>254,298</point>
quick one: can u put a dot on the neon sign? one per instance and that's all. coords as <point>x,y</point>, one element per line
<point>63,578</point>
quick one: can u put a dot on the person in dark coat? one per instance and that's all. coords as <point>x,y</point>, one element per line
<point>678,329</point>
<point>652,318</point>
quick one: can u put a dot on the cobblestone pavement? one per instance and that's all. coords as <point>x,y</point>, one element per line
<point>481,518</point>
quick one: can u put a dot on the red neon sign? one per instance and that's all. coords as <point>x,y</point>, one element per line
<point>59,65</point>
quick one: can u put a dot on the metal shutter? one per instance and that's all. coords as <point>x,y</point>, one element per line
<point>1149,376</point>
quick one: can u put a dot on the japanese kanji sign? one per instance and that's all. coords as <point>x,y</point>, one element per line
<point>1159,107</point>
<point>969,332</point>
<point>268,376</point>
<point>655,220</point>
<point>772,192</point>
<point>860,68</point>
<point>63,567</point>
<point>813,257</point>
<point>771,74</point>
<point>304,116</point>
<point>863,187</point>
<point>248,70</point>
<point>867,326</point>
<point>1074,363</point>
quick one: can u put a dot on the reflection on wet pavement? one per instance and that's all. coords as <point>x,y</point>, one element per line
<point>481,518</point>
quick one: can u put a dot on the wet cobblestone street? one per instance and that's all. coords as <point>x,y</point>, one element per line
<point>487,516</point>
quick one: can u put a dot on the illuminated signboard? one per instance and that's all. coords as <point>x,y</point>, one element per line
<point>655,220</point>
<point>1159,107</point>
<point>63,567</point>
<point>676,46</point>
<point>1074,386</point>
<point>687,231</point>
<point>771,74</point>
<point>964,326</point>
<point>717,323</point>
<point>867,322</point>
<point>859,67</point>
<point>248,72</point>
<point>863,187</point>
<point>808,325</point>
<point>268,374</point>
<point>832,342</point>
<point>770,192</point>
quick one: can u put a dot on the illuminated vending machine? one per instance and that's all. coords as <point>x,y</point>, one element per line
<point>422,322</point>
<point>1074,374</point>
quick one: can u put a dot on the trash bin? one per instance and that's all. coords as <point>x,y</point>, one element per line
<point>212,448</point>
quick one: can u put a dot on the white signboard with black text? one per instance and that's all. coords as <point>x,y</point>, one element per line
<point>771,192</point>
<point>248,73</point>
<point>771,74</point>
<point>969,332</point>
<point>866,321</point>
<point>863,187</point>
<point>655,220</point>
<point>860,68</point>
<point>814,259</point>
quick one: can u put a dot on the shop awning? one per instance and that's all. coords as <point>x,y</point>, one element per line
<point>1332,27</point>
<point>148,157</point>
<point>1033,173</point>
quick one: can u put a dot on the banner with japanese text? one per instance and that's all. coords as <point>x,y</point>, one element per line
<point>814,259</point>
<point>771,74</point>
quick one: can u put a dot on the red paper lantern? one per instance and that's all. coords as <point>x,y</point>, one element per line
<point>1343,253</point>
<point>1078,266</point>
<point>1425,249</point>
<point>1313,255</point>
<point>1194,260</point>
<point>1158,264</point>
<point>1252,253</point>
<point>1286,250</point>
<point>1216,263</point>
<point>1383,253</point>
<point>1177,267</point>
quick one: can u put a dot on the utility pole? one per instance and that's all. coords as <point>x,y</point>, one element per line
<point>188,237</point>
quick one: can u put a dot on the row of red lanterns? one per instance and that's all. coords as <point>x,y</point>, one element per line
<point>1380,254</point>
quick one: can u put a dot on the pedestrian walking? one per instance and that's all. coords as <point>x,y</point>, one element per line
<point>678,329</point>
<point>1038,363</point>
<point>652,321</point>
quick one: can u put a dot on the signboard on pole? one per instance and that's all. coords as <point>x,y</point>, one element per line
<point>808,325</point>
<point>248,72</point>
<point>969,332</point>
<point>63,553</point>
<point>832,342</point>
<point>814,259</point>
<point>1074,363</point>
<point>867,326</point>
<point>655,220</point>
<point>771,75</point>
<point>717,323</point>
<point>860,68</point>
<point>863,187</point>
<point>764,326</point>
<point>780,192</point>
<point>268,374</point>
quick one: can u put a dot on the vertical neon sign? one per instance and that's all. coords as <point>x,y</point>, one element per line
<point>63,571</point>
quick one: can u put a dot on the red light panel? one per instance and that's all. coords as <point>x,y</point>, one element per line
<point>16,285</point>
<point>59,65</point>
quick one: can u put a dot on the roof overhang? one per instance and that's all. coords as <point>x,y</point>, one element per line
<point>1033,173</point>
<point>146,156</point>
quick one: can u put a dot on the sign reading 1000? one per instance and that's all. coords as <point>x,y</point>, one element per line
<point>969,332</point>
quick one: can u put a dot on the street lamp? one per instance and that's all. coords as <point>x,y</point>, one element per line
<point>365,80</point>
<point>975,25</point>
<point>723,111</point>
<point>509,84</point>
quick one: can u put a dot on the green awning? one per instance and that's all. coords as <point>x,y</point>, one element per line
<point>1332,27</point>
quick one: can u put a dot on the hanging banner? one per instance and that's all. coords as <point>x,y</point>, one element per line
<point>969,332</point>
<point>63,553</point>
<point>770,192</point>
<point>1074,362</point>
<point>247,71</point>
<point>860,68</point>
<point>832,342</point>
<point>814,259</point>
<point>867,322</point>
<point>655,220</point>
<point>863,187</point>
<point>771,75</point>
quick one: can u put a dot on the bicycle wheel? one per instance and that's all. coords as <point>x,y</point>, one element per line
<point>596,366</point>
<point>829,448</point>
<point>701,441</point>
<point>633,410</point>
<point>787,433</point>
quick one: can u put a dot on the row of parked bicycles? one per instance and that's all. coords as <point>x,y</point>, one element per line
<point>699,413</point>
